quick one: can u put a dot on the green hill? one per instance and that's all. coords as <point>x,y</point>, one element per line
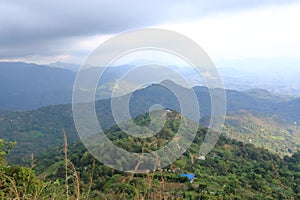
<point>267,131</point>
<point>232,170</point>
<point>40,130</point>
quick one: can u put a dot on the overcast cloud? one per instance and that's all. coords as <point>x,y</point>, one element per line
<point>35,29</point>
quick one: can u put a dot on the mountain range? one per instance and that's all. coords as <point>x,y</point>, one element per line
<point>257,157</point>
<point>41,129</point>
<point>26,86</point>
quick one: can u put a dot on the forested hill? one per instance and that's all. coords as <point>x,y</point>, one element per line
<point>232,170</point>
<point>40,130</point>
<point>267,131</point>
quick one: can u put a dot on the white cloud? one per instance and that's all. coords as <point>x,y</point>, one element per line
<point>70,30</point>
<point>271,31</point>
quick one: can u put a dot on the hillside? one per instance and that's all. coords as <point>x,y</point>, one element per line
<point>40,130</point>
<point>267,131</point>
<point>27,86</point>
<point>265,94</point>
<point>233,170</point>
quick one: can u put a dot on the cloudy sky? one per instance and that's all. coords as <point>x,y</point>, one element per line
<point>55,30</point>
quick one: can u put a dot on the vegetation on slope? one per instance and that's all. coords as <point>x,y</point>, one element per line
<point>39,130</point>
<point>268,131</point>
<point>232,170</point>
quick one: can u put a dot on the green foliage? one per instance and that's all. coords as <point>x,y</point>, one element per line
<point>5,147</point>
<point>40,130</point>
<point>17,182</point>
<point>232,170</point>
<point>20,182</point>
<point>267,131</point>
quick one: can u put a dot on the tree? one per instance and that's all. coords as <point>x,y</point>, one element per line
<point>5,147</point>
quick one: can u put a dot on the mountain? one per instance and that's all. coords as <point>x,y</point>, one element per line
<point>290,110</point>
<point>232,170</point>
<point>267,131</point>
<point>265,94</point>
<point>67,66</point>
<point>41,130</point>
<point>278,75</point>
<point>27,86</point>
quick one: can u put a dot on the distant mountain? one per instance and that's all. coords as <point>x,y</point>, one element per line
<point>41,129</point>
<point>279,78</point>
<point>63,65</point>
<point>265,94</point>
<point>2,112</point>
<point>27,86</point>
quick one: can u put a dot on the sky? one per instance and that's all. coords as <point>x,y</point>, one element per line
<point>54,30</point>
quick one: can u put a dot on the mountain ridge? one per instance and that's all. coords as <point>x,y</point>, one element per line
<point>42,128</point>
